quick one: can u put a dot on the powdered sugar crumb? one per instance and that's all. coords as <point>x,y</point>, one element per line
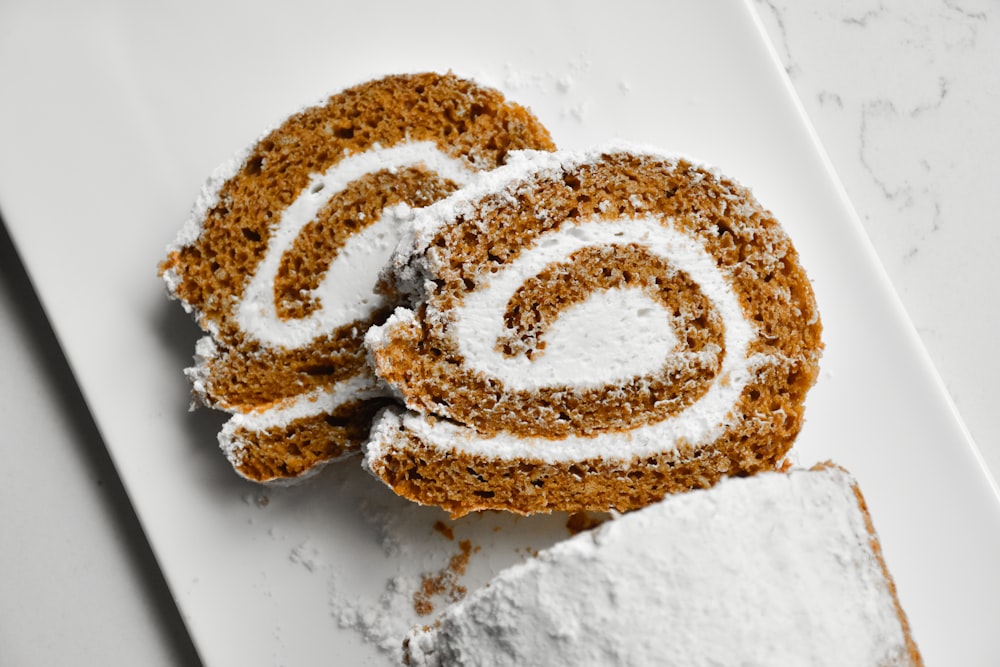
<point>383,521</point>
<point>382,622</point>
<point>306,555</point>
<point>550,81</point>
<point>577,112</point>
<point>260,500</point>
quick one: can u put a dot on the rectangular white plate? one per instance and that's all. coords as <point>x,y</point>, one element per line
<point>115,113</point>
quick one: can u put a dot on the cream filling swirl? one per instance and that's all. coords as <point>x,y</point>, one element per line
<point>478,323</point>
<point>346,291</point>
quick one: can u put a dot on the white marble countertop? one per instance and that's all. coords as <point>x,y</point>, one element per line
<point>904,97</point>
<point>902,94</point>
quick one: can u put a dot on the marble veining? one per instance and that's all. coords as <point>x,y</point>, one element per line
<point>903,104</point>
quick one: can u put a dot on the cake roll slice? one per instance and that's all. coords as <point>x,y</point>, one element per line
<point>280,256</point>
<point>590,331</point>
<point>775,569</point>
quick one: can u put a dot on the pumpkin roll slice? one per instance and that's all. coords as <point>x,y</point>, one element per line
<point>590,331</point>
<point>280,256</point>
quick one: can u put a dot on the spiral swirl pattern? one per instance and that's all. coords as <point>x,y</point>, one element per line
<point>590,331</point>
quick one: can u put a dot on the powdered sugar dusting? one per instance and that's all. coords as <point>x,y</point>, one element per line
<point>682,582</point>
<point>433,561</point>
<point>381,622</point>
<point>515,79</point>
<point>307,555</point>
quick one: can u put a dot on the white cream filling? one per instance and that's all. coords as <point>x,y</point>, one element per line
<point>612,340</point>
<point>319,401</point>
<point>323,401</point>
<point>479,323</point>
<point>578,354</point>
<point>346,291</point>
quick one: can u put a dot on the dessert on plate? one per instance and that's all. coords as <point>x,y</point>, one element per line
<point>409,268</point>
<point>280,255</point>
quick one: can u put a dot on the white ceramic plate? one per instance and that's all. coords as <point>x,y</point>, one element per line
<point>122,110</point>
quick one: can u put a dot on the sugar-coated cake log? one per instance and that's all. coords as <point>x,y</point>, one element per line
<point>775,569</point>
<point>590,330</point>
<point>280,256</point>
